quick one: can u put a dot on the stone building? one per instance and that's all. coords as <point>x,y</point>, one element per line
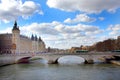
<point>73,49</point>
<point>5,43</point>
<point>80,49</point>
<point>16,43</point>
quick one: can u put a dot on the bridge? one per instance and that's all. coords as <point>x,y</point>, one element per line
<point>54,57</point>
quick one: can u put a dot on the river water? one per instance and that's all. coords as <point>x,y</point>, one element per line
<point>38,71</point>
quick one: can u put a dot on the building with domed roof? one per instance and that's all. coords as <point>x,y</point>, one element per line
<point>16,43</point>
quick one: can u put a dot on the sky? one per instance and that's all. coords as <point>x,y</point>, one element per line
<point>63,23</point>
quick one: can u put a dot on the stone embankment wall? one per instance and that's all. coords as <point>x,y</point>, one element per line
<point>6,60</point>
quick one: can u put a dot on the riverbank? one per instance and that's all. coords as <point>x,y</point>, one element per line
<point>116,62</point>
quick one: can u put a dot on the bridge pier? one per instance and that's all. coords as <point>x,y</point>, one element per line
<point>89,61</point>
<point>52,62</point>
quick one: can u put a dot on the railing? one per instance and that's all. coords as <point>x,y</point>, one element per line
<point>37,54</point>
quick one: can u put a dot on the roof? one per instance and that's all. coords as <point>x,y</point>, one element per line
<point>15,27</point>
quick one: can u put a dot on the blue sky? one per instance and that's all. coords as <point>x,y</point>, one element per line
<point>63,23</point>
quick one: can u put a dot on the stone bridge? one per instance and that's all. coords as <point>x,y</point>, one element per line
<point>53,58</point>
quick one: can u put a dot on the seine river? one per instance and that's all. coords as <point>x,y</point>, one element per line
<point>38,71</point>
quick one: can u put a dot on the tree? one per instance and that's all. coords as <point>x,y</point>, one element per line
<point>109,44</point>
<point>118,43</point>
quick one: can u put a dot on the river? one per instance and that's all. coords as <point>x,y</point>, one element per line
<point>38,71</point>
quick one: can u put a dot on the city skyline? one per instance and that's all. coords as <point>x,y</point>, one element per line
<point>63,23</point>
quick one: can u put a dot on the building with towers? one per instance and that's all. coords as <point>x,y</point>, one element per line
<point>16,43</point>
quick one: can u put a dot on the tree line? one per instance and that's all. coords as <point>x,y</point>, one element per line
<point>106,45</point>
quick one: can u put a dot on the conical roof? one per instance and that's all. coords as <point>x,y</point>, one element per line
<point>15,27</point>
<point>40,39</point>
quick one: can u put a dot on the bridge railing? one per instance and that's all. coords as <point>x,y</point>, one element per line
<point>14,54</point>
<point>88,53</point>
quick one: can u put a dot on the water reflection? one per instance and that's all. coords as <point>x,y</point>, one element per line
<point>38,60</point>
<point>35,71</point>
<point>42,61</point>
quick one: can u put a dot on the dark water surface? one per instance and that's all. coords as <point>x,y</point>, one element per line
<point>35,71</point>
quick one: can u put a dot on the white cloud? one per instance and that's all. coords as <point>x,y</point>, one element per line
<point>59,29</point>
<point>114,27</point>
<point>7,30</point>
<point>12,9</point>
<point>101,18</point>
<point>42,28</point>
<point>88,6</point>
<point>114,30</point>
<point>80,18</point>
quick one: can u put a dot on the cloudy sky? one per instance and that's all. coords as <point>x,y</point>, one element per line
<point>63,23</point>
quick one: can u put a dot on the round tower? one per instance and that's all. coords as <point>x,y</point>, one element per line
<point>42,47</point>
<point>16,38</point>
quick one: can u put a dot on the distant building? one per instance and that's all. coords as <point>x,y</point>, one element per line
<point>78,49</point>
<point>16,43</point>
<point>73,49</point>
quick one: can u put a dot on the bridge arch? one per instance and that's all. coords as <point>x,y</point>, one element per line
<point>55,58</point>
<point>70,59</point>
<point>23,60</point>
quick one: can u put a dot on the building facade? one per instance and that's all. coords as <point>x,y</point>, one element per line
<point>16,43</point>
<point>78,49</point>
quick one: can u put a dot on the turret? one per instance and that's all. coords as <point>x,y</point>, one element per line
<point>118,37</point>
<point>15,27</point>
<point>40,39</point>
<point>36,38</point>
<point>41,45</point>
<point>32,37</point>
<point>16,37</point>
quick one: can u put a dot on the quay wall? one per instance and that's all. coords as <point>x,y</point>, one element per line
<point>6,60</point>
